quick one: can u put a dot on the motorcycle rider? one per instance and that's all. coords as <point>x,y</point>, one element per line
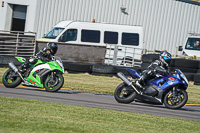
<point>158,66</point>
<point>45,55</point>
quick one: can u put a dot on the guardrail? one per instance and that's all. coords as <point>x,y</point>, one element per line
<point>123,55</point>
<point>15,43</point>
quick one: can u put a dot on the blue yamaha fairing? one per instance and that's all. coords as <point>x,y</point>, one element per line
<point>170,90</point>
<point>165,82</point>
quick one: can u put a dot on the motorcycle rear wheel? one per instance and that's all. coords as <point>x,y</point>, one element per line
<point>124,94</point>
<point>9,80</point>
<point>175,102</point>
<point>53,85</point>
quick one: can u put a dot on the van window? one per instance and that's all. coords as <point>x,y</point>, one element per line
<point>69,35</point>
<point>130,39</point>
<point>111,37</point>
<point>54,33</point>
<point>193,44</point>
<point>90,36</point>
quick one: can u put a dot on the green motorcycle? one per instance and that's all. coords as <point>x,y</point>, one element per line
<point>42,74</point>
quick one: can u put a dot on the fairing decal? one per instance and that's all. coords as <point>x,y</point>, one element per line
<point>43,66</point>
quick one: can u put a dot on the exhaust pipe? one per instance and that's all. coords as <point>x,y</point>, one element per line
<point>14,68</point>
<point>127,81</point>
<point>124,78</point>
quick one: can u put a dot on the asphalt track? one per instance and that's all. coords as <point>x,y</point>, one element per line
<point>79,98</point>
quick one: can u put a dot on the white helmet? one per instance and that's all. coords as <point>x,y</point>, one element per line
<point>165,57</point>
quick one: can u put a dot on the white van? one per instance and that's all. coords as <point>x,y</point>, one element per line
<point>124,43</point>
<point>192,46</point>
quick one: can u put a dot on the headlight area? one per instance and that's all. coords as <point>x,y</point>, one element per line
<point>183,76</point>
<point>61,65</point>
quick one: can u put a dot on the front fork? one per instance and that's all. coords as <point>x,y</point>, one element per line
<point>53,75</point>
<point>174,97</point>
<point>174,92</point>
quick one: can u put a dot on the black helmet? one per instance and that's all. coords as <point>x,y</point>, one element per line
<point>165,57</point>
<point>52,47</point>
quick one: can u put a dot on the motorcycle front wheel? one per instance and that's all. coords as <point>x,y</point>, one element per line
<point>53,84</point>
<point>175,102</point>
<point>11,79</point>
<point>124,94</point>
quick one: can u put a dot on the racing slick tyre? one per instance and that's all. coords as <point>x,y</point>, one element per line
<point>53,84</point>
<point>124,94</point>
<point>10,79</point>
<point>175,102</point>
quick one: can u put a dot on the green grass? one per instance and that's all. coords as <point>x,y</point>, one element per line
<point>103,84</point>
<point>86,82</point>
<point>24,116</point>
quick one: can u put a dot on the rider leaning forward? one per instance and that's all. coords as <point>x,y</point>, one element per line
<point>45,55</point>
<point>159,66</point>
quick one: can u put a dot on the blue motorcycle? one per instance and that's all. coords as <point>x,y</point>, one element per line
<point>170,90</point>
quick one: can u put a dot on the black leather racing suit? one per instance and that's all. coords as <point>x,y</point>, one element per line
<point>43,54</point>
<point>151,71</point>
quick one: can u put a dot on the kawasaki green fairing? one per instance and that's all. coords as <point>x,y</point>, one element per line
<point>20,59</point>
<point>41,69</point>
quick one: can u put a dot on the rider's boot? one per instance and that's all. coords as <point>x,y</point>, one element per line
<point>139,82</point>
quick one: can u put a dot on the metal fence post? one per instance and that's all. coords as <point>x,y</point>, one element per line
<point>17,43</point>
<point>176,52</point>
<point>133,62</point>
<point>34,43</point>
<point>115,55</point>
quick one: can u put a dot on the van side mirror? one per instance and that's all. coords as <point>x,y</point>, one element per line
<point>180,48</point>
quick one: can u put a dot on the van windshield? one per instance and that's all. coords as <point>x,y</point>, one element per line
<point>193,44</point>
<point>54,33</point>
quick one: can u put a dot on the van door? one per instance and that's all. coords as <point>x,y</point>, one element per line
<point>127,52</point>
<point>69,35</point>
